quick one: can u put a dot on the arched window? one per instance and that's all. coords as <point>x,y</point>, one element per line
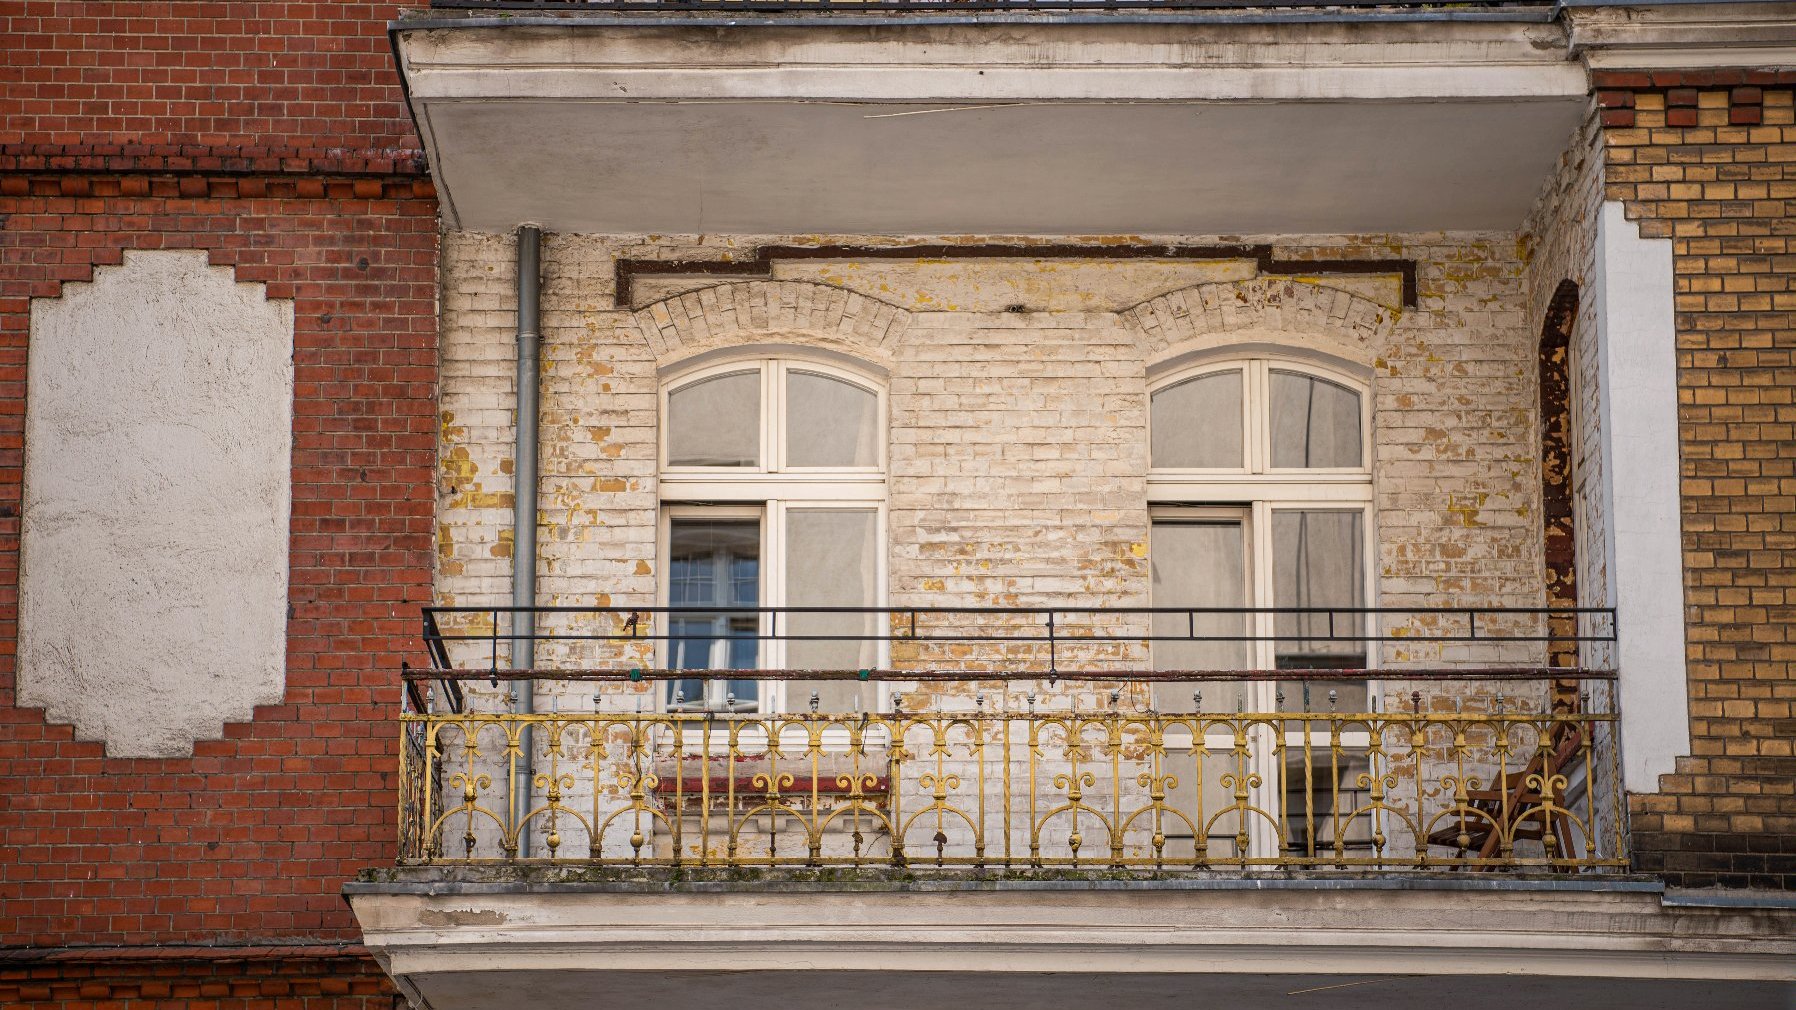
<point>1258,416</point>
<point>774,416</point>
<point>772,482</point>
<point>1260,489</point>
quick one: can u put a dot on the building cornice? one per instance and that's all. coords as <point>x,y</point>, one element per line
<point>1683,35</point>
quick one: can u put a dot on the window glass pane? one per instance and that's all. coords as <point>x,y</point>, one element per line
<point>1318,561</point>
<point>1199,563</point>
<point>831,561</point>
<point>1197,423</point>
<point>1315,423</point>
<point>713,565</point>
<point>830,422</point>
<point>716,421</point>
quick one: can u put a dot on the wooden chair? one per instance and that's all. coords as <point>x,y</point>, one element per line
<point>1523,798</point>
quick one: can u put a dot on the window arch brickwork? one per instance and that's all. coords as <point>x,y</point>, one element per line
<point>1333,320</point>
<point>717,316</point>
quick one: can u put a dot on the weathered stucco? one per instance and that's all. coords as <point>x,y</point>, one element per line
<point>157,488</point>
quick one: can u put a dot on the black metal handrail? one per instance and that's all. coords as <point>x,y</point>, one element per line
<point>1049,628</point>
<point>633,628</point>
<point>884,675</point>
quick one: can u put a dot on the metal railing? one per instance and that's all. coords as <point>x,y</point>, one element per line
<point>1021,764</point>
<point>463,638</point>
<point>1112,788</point>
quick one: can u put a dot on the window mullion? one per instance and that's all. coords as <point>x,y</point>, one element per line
<point>1254,403</point>
<point>1260,579</point>
<point>773,594</point>
<point>773,396</point>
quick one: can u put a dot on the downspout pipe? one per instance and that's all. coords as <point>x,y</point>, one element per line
<point>523,514</point>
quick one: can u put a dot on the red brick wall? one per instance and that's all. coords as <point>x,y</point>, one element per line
<point>252,837</point>
<point>1708,160</point>
<point>274,136</point>
<point>223,84</point>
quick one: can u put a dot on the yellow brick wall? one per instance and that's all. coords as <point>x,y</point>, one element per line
<point>1708,160</point>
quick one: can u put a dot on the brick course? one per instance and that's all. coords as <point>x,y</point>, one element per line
<point>269,978</point>
<point>274,137</point>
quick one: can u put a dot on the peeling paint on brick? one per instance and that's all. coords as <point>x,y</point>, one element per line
<point>1018,446</point>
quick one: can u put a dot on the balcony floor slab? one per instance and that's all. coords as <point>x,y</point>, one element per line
<point>500,936</point>
<point>1044,128</point>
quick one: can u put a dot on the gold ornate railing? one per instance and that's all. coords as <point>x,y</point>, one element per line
<point>1427,786</point>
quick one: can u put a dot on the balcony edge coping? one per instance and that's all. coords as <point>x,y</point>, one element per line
<point>1613,883</point>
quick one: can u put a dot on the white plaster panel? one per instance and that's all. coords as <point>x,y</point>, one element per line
<point>1636,349</point>
<point>158,442</point>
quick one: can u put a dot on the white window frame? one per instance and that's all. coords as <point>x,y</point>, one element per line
<point>1248,423</point>
<point>1253,493</point>
<point>1260,490</point>
<point>773,373</point>
<point>1248,481</point>
<point>769,493</point>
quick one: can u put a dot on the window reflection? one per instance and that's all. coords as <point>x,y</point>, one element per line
<point>714,565</point>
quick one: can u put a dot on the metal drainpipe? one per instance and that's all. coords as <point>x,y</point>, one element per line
<point>523,514</point>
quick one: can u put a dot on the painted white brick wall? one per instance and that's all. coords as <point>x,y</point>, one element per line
<point>1018,450</point>
<point>1560,234</point>
<point>984,397</point>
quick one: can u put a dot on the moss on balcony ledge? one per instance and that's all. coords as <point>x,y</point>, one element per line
<point>534,876</point>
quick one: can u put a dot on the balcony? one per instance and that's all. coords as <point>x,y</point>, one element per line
<point>1015,805</point>
<point>1009,763</point>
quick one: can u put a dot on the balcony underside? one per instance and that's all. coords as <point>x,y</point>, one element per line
<point>993,129</point>
<point>1069,168</point>
<point>463,939</point>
